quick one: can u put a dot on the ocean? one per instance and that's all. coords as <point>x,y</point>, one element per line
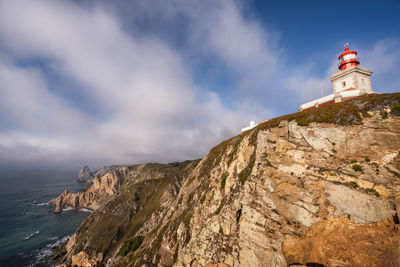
<point>28,225</point>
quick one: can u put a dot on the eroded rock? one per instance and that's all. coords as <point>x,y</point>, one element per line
<point>278,195</point>
<point>360,206</point>
<point>82,259</point>
<point>341,242</point>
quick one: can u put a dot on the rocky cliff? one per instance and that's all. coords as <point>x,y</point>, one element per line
<point>316,188</point>
<point>85,174</point>
<point>102,189</point>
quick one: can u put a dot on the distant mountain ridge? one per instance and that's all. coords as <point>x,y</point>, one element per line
<point>313,188</point>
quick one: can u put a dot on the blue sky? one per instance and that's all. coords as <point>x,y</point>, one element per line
<point>120,82</point>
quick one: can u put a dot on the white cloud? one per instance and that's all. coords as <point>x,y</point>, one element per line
<point>242,44</point>
<point>25,102</point>
<point>150,103</point>
<point>245,47</point>
<point>383,58</point>
<point>137,100</point>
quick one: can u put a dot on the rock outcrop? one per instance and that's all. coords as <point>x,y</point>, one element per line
<point>85,174</point>
<point>341,242</point>
<point>82,259</point>
<point>148,191</point>
<point>100,191</point>
<point>316,188</point>
<point>106,169</point>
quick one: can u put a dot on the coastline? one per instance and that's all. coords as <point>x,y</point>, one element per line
<point>29,228</point>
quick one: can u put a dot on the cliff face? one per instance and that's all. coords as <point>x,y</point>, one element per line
<point>85,174</point>
<point>102,189</point>
<point>318,188</point>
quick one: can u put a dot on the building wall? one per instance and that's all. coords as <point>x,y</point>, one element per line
<point>355,78</point>
<point>349,83</point>
<point>364,82</point>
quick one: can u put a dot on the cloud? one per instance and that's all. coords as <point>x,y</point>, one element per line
<point>244,47</point>
<point>84,82</point>
<point>383,58</point>
<point>25,101</point>
<point>148,104</point>
<point>242,44</point>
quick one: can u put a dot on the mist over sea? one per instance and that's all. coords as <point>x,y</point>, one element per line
<point>28,225</point>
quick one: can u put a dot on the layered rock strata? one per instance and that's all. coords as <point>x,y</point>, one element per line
<point>318,188</point>
<point>102,188</point>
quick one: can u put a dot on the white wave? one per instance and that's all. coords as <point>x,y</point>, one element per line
<point>42,204</point>
<point>52,238</point>
<point>31,235</point>
<point>85,210</point>
<point>43,255</point>
<point>35,203</point>
<point>67,208</point>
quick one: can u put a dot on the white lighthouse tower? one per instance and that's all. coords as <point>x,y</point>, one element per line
<point>351,81</point>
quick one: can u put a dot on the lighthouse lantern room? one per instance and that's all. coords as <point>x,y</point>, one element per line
<point>351,81</point>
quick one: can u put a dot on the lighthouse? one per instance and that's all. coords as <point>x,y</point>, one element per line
<point>351,81</point>
<point>348,58</point>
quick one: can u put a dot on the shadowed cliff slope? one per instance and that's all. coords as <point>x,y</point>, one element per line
<point>316,188</point>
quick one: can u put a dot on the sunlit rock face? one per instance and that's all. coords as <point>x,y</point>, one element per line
<point>285,193</point>
<point>102,188</point>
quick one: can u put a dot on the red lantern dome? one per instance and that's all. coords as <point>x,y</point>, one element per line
<point>348,59</point>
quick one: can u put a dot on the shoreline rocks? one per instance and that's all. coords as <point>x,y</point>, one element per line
<point>100,190</point>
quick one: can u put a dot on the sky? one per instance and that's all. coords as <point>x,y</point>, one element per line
<point>122,82</point>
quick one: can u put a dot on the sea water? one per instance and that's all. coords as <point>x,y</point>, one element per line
<point>28,226</point>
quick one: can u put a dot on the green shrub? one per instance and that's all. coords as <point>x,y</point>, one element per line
<point>223,179</point>
<point>276,211</point>
<point>131,245</point>
<point>334,151</point>
<point>372,191</point>
<point>353,184</point>
<point>303,121</point>
<point>246,172</point>
<point>367,159</point>
<point>353,161</point>
<point>190,198</point>
<point>187,218</point>
<point>384,115</point>
<point>323,119</point>
<point>396,109</point>
<point>357,168</point>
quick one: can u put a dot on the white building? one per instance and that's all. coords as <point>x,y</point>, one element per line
<point>252,125</point>
<point>351,81</point>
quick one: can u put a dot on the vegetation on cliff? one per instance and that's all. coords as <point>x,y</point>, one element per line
<point>262,197</point>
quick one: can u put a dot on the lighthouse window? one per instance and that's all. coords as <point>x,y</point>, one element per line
<point>362,81</point>
<point>343,84</point>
